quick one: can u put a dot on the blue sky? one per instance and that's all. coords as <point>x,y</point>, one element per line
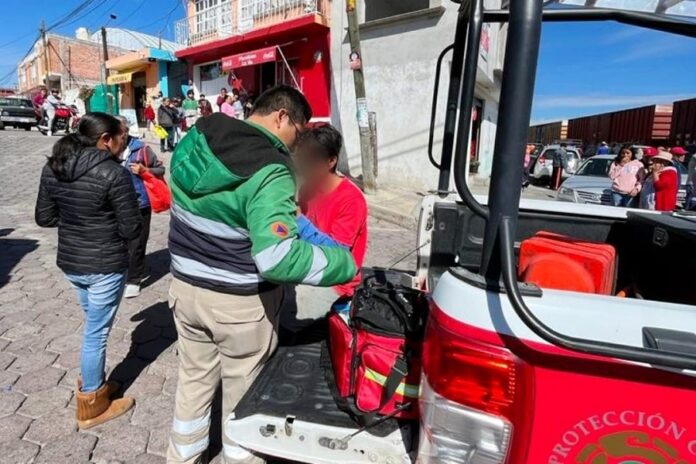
<point>21,21</point>
<point>584,68</point>
<point>589,68</point>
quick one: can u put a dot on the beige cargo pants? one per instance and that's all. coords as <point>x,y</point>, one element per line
<point>224,338</point>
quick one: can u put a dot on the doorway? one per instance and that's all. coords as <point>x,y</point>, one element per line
<point>140,96</point>
<point>268,76</point>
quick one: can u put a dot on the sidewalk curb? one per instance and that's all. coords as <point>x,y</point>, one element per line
<point>407,221</point>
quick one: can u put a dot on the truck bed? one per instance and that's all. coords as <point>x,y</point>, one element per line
<point>290,413</point>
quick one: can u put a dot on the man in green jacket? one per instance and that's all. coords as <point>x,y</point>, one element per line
<point>233,241</point>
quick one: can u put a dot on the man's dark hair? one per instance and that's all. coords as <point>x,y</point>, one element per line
<point>324,140</point>
<point>283,97</point>
<point>235,92</point>
<point>563,145</point>
<point>224,88</point>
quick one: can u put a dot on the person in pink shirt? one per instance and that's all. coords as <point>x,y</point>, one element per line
<point>227,106</point>
<point>627,174</point>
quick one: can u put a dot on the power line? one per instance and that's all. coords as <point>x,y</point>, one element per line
<point>56,24</point>
<point>71,15</point>
<point>77,13</point>
<point>14,41</point>
<point>176,6</point>
<point>137,8</point>
<point>14,69</point>
<point>67,68</point>
<point>97,21</point>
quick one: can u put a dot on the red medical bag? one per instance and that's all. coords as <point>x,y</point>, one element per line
<point>375,355</point>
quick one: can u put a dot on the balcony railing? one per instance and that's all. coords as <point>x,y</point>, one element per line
<point>234,17</point>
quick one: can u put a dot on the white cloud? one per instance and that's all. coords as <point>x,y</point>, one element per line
<point>624,35</point>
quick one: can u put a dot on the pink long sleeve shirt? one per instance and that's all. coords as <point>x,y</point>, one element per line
<point>627,177</point>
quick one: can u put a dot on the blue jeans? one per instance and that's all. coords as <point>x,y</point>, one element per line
<point>99,296</point>
<point>622,199</point>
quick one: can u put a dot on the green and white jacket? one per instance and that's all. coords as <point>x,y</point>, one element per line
<point>233,218</point>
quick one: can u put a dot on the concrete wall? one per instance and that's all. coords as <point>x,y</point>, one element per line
<point>399,58</point>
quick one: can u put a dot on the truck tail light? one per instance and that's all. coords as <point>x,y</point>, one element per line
<point>471,398</point>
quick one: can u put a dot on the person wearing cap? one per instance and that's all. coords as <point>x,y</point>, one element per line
<point>661,185</point>
<point>603,149</point>
<point>678,157</point>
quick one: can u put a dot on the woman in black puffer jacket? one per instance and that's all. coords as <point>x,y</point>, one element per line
<point>89,196</point>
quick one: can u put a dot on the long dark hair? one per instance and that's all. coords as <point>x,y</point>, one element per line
<point>629,148</point>
<point>91,127</point>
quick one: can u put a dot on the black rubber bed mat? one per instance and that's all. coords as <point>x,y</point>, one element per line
<point>294,383</point>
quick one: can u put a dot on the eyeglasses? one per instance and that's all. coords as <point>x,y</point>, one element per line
<point>299,131</point>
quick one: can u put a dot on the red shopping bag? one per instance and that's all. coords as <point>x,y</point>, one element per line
<point>157,190</point>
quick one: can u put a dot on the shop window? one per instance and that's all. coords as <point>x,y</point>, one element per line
<point>211,71</point>
<point>386,8</point>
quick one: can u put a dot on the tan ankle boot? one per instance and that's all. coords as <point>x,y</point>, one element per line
<point>95,408</point>
<point>111,385</point>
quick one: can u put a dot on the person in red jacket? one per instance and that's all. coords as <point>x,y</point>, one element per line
<point>335,206</point>
<point>149,114</point>
<point>666,182</point>
<point>332,202</point>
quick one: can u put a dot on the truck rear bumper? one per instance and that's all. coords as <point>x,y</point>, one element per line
<point>302,441</point>
<point>289,413</point>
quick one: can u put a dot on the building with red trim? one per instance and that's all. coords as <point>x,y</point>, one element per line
<point>252,45</point>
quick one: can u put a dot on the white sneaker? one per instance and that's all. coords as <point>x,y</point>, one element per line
<point>132,290</point>
<point>50,134</point>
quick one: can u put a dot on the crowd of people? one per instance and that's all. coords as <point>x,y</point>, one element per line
<point>641,176</point>
<point>650,178</point>
<point>176,115</point>
<point>259,213</point>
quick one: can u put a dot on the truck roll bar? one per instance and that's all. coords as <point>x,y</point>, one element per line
<point>653,21</point>
<point>515,110</point>
<point>519,72</point>
<point>433,111</point>
<point>466,103</point>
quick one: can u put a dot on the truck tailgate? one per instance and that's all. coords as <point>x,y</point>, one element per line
<point>289,412</point>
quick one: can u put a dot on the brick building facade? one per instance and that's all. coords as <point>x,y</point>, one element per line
<point>72,63</point>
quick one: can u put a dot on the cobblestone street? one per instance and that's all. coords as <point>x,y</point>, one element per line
<point>40,333</point>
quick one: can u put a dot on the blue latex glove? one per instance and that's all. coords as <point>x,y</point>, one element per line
<point>309,233</point>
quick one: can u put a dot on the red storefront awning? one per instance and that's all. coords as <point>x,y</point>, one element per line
<point>263,55</point>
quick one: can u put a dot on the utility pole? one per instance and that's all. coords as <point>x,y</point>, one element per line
<point>44,43</point>
<point>104,72</point>
<point>367,153</point>
<point>70,76</point>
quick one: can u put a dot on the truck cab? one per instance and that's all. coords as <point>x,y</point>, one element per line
<point>514,371</point>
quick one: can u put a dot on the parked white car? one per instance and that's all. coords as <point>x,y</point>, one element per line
<point>543,165</point>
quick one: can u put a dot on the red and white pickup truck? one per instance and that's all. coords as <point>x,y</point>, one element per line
<point>514,373</point>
